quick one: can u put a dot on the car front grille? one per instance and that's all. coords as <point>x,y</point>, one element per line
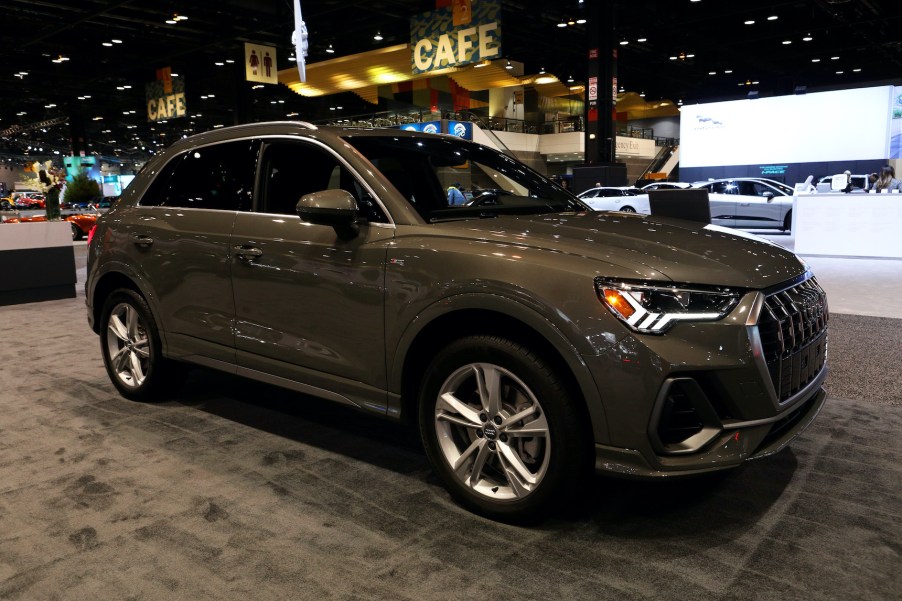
<point>793,331</point>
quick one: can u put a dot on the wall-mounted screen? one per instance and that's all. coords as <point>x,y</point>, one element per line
<point>844,125</point>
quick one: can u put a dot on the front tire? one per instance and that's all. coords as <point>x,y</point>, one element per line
<point>627,209</point>
<point>499,429</point>
<point>76,232</point>
<point>787,221</point>
<point>132,352</point>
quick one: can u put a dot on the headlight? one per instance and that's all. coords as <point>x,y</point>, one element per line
<point>654,309</point>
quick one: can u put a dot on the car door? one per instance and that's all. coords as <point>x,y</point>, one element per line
<point>759,205</point>
<point>179,237</point>
<point>309,305</point>
<point>722,200</point>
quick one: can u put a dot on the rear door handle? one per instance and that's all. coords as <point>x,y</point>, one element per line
<point>141,240</point>
<point>247,253</point>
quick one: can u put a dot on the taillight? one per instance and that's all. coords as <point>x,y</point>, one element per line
<point>91,234</point>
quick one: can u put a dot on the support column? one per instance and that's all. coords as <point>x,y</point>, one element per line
<point>600,134</point>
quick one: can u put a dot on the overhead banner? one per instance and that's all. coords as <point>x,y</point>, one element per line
<point>467,32</point>
<point>260,63</point>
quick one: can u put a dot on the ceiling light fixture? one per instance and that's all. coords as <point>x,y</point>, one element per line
<point>562,24</point>
<point>624,42</point>
<point>330,50</point>
<point>580,21</point>
<point>773,18</point>
<point>378,37</point>
<point>807,38</point>
<point>787,42</point>
<point>750,22</point>
<point>108,44</point>
<point>508,66</point>
<point>641,40</point>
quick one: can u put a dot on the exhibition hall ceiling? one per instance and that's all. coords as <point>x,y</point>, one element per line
<point>93,58</point>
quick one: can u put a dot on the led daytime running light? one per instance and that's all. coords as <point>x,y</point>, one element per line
<point>635,305</point>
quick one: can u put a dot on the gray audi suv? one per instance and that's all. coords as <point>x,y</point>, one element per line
<point>529,339</point>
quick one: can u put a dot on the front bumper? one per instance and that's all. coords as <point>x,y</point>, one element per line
<point>709,396</point>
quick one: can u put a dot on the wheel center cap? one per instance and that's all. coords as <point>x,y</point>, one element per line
<point>490,431</point>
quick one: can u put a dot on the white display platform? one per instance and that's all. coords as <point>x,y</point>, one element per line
<point>39,234</point>
<point>848,225</point>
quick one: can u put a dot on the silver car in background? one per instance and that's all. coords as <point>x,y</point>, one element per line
<point>749,203</point>
<point>626,199</point>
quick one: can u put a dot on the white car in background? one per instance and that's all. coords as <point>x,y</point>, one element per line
<point>627,199</point>
<point>749,203</point>
<point>665,186</point>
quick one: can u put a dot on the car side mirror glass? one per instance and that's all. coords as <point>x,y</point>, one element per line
<point>335,208</point>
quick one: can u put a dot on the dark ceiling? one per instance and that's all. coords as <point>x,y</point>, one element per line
<point>708,37</point>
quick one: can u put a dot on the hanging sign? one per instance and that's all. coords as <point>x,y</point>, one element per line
<point>260,63</point>
<point>165,97</point>
<point>447,38</point>
<point>299,40</point>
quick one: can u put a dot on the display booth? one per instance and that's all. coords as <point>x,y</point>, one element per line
<point>38,262</point>
<point>848,225</point>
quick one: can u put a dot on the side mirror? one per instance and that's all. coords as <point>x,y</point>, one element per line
<point>768,195</point>
<point>335,208</point>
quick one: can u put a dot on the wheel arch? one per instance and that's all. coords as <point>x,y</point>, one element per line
<point>105,286</point>
<point>463,317</point>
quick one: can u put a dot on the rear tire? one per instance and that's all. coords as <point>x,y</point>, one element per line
<point>499,429</point>
<point>627,209</point>
<point>132,352</point>
<point>787,221</point>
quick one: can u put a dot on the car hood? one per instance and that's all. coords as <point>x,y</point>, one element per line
<point>646,247</point>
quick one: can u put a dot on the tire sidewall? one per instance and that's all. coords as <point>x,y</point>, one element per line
<point>564,434</point>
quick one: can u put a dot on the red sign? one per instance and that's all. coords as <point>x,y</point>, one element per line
<point>593,53</point>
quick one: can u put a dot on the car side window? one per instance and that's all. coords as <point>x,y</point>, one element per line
<point>219,176</point>
<point>292,169</point>
<point>723,188</point>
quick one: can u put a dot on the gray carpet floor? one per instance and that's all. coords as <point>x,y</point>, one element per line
<point>235,490</point>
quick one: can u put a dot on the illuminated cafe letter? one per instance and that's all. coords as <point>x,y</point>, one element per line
<point>445,52</point>
<point>422,55</point>
<point>463,43</point>
<point>487,47</point>
<point>152,109</point>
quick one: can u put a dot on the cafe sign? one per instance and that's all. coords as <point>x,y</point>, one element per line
<point>467,32</point>
<point>165,97</point>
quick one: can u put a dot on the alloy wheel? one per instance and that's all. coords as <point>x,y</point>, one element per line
<point>492,432</point>
<point>128,346</point>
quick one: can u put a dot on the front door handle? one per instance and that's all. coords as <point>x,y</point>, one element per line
<point>141,240</point>
<point>247,253</point>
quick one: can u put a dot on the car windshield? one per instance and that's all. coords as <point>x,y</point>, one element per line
<point>444,178</point>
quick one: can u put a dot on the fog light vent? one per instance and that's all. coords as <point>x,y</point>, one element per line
<point>683,420</point>
<point>679,419</point>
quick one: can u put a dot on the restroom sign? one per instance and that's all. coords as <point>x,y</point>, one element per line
<point>260,64</point>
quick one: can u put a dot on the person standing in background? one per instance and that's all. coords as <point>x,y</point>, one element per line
<point>887,181</point>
